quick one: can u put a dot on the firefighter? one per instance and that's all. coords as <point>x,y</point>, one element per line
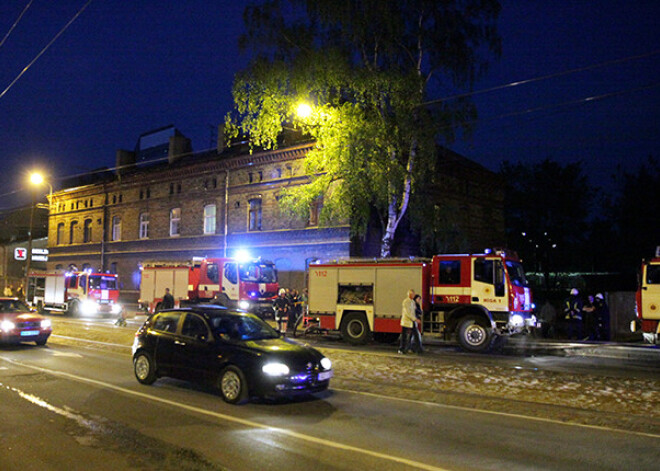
<point>602,318</point>
<point>573,315</point>
<point>281,307</point>
<point>168,300</point>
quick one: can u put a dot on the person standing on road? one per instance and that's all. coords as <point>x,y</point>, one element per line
<point>573,315</point>
<point>407,321</point>
<point>416,336</point>
<point>602,318</point>
<point>168,300</point>
<point>589,318</point>
<point>281,308</point>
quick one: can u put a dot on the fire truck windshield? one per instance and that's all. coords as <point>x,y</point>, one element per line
<point>102,282</point>
<point>258,272</point>
<point>516,273</point>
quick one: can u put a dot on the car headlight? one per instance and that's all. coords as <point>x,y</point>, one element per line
<point>116,308</point>
<point>517,320</point>
<point>275,369</point>
<point>6,326</point>
<point>45,324</point>
<point>326,364</point>
<point>244,305</point>
<point>88,307</point>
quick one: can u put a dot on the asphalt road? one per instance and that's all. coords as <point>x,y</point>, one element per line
<point>68,408</point>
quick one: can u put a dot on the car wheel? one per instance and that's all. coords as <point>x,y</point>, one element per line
<point>233,385</point>
<point>144,368</point>
<point>41,342</point>
<point>474,335</point>
<point>354,328</point>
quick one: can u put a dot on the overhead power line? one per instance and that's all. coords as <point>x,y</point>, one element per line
<point>543,77</point>
<point>16,22</point>
<point>45,48</point>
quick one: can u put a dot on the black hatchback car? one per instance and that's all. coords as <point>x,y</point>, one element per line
<point>236,351</point>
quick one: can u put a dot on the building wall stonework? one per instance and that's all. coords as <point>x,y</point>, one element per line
<point>229,182</point>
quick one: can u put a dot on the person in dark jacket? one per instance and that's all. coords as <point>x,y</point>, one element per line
<point>168,300</point>
<point>573,315</point>
<point>601,318</point>
<point>281,306</point>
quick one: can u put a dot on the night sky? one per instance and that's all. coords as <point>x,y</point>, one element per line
<point>124,68</point>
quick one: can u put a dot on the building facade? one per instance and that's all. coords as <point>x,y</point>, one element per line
<point>209,204</point>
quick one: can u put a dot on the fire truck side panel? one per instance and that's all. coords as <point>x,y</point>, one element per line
<point>392,285</point>
<point>55,291</point>
<point>323,290</point>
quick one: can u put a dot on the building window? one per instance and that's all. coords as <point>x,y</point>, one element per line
<point>171,188</point>
<point>72,231</point>
<point>144,225</point>
<point>60,233</point>
<point>141,194</point>
<point>254,215</point>
<point>175,219</point>
<point>116,228</point>
<point>209,219</point>
<point>250,177</point>
<point>87,231</point>
<point>113,268</point>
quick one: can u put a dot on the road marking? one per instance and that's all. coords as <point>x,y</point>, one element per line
<point>229,418</point>
<point>58,353</point>
<point>91,341</point>
<point>502,414</point>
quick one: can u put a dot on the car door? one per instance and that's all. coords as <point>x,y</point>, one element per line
<point>194,349</point>
<point>164,329</point>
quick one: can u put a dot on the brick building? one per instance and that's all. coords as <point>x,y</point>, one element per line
<point>214,203</point>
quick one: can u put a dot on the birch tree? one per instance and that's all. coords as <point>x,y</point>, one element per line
<point>368,70</point>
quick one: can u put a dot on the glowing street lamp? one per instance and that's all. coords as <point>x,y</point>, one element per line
<point>36,179</point>
<point>304,111</point>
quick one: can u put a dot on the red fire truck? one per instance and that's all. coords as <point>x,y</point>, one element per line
<point>248,285</point>
<point>75,293</point>
<point>648,300</point>
<point>476,296</point>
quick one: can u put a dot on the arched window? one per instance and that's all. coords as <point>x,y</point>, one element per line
<point>72,231</point>
<point>144,226</point>
<point>87,231</point>
<point>60,234</point>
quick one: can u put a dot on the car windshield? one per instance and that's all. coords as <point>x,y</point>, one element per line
<point>102,282</point>
<point>258,272</point>
<point>516,273</point>
<point>242,328</point>
<point>11,305</point>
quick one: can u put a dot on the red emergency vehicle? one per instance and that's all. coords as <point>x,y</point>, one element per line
<point>648,300</point>
<point>249,285</point>
<point>476,296</point>
<point>75,293</point>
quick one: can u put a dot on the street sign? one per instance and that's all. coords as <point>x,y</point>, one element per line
<point>20,253</point>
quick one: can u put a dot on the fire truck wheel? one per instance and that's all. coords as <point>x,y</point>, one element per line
<point>74,309</point>
<point>354,328</point>
<point>473,334</point>
<point>233,385</point>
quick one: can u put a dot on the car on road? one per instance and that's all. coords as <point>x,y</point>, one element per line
<point>18,323</point>
<point>237,352</point>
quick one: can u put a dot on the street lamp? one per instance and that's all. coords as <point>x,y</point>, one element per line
<point>36,179</point>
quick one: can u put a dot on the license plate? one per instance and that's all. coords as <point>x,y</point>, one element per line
<point>29,333</point>
<point>325,375</point>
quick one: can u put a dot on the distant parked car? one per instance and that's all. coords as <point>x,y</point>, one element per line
<point>19,324</point>
<point>236,351</point>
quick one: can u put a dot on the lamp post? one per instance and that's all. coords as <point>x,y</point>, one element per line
<point>36,179</point>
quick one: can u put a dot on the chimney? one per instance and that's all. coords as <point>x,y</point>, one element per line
<point>124,159</point>
<point>179,147</point>
<point>221,138</point>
